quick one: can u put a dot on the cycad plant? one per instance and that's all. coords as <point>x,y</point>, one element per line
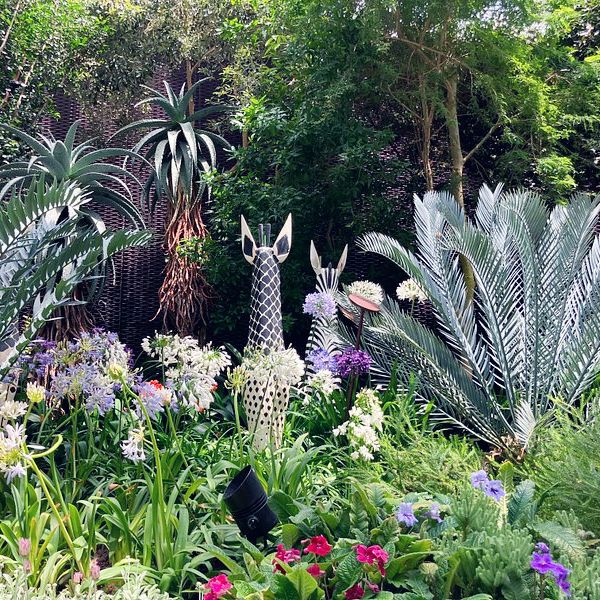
<point>531,334</point>
<point>105,183</point>
<point>37,268</point>
<point>182,155</point>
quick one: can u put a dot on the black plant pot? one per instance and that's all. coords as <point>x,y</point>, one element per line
<point>246,499</point>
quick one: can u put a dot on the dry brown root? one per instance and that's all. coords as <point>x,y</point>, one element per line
<point>185,293</point>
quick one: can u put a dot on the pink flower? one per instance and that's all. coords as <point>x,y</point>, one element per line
<point>24,546</point>
<point>371,555</point>
<point>373,587</point>
<point>315,570</point>
<point>94,569</point>
<point>285,556</point>
<point>356,592</point>
<point>77,577</point>
<point>26,566</point>
<point>218,586</point>
<point>318,545</point>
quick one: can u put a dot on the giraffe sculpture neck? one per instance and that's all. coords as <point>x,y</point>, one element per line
<point>266,329</point>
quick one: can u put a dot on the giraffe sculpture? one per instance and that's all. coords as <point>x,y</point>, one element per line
<point>266,402</point>
<point>322,328</point>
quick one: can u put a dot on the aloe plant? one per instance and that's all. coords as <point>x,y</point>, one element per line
<point>37,267</point>
<point>182,154</point>
<point>62,160</point>
<point>531,333</point>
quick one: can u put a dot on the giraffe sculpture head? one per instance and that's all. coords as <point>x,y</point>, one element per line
<point>266,330</point>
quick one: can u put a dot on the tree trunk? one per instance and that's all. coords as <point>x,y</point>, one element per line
<point>456,155</point>
<point>458,164</point>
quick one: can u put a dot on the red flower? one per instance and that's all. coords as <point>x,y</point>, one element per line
<point>356,592</point>
<point>156,384</point>
<point>318,545</point>
<point>218,586</point>
<point>285,556</point>
<point>371,555</point>
<point>214,387</point>
<point>315,570</point>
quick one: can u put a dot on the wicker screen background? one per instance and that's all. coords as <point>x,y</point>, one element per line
<point>129,302</point>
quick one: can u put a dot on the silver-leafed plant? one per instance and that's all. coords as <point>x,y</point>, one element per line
<point>530,335</point>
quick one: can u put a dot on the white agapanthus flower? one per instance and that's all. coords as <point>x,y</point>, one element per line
<point>364,425</point>
<point>410,290</point>
<point>366,289</point>
<point>324,381</point>
<point>197,392</point>
<point>12,410</point>
<point>12,456</point>
<point>284,367</point>
<point>192,369</point>
<point>133,446</point>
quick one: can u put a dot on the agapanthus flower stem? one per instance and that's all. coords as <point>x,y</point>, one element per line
<point>61,525</point>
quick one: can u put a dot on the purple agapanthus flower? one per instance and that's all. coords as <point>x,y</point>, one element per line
<point>352,362</point>
<point>406,515</point>
<point>541,561</point>
<point>321,360</point>
<point>153,396</point>
<point>320,305</point>
<point>434,512</point>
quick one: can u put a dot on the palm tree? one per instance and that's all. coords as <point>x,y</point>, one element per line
<point>531,333</point>
<point>182,155</point>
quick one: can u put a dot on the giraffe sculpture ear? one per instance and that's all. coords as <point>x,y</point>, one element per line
<point>283,243</point>
<point>315,259</point>
<point>248,243</point>
<point>342,262</point>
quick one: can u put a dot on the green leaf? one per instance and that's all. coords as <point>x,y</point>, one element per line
<point>521,508</point>
<point>348,572</point>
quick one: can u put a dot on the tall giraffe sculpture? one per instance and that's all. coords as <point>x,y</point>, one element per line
<point>266,402</point>
<point>322,328</point>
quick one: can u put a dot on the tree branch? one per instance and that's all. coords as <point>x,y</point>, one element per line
<point>482,141</point>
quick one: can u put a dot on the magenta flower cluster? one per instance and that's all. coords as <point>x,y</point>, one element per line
<point>352,362</point>
<point>541,561</point>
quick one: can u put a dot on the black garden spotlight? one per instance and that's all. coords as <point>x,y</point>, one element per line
<point>247,502</point>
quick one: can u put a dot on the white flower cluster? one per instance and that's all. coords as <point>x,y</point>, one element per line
<point>283,367</point>
<point>323,382</point>
<point>364,425</point>
<point>133,446</point>
<point>366,289</point>
<point>191,368</point>
<point>410,290</point>
<point>12,456</point>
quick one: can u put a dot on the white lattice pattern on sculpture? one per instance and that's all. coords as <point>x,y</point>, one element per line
<point>266,402</point>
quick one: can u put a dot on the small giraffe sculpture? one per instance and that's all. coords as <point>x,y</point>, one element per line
<point>266,402</point>
<point>322,328</point>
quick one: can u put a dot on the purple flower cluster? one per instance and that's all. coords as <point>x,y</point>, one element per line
<point>39,360</point>
<point>541,561</point>
<point>352,362</point>
<point>321,360</point>
<point>406,515</point>
<point>490,487</point>
<point>320,305</point>
<point>349,362</point>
